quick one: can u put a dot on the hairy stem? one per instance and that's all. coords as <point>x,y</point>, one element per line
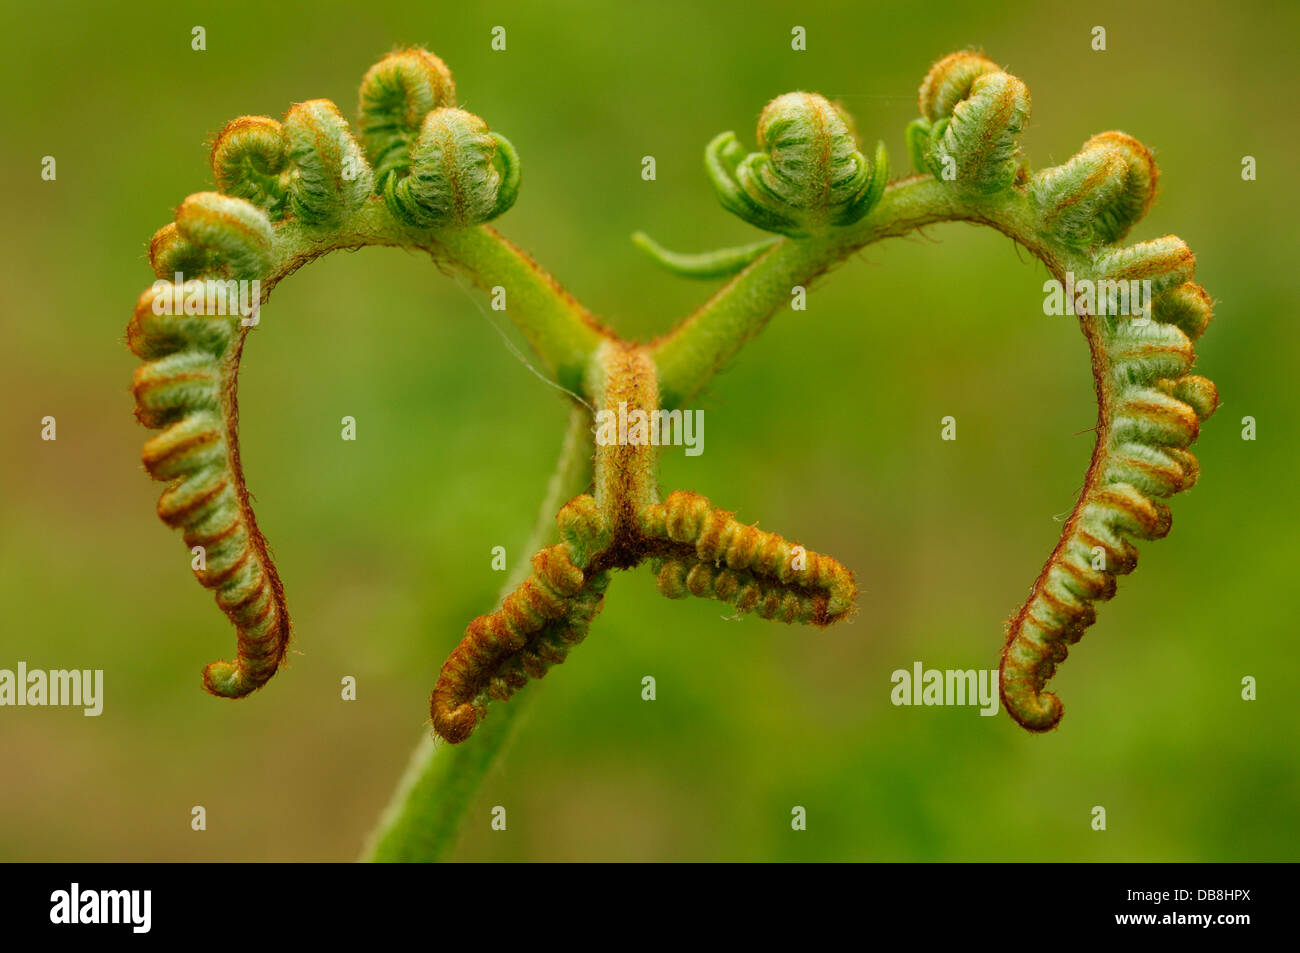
<point>434,795</point>
<point>561,331</point>
<point>422,821</point>
<point>700,346</point>
<point>293,191</point>
<point>622,381</point>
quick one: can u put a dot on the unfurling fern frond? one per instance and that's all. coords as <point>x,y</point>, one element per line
<point>707,552</point>
<point>288,192</point>
<point>186,390</point>
<point>425,174</point>
<point>534,629</point>
<point>1150,413</point>
<point>1149,405</point>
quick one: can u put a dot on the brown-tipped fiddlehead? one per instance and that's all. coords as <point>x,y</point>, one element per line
<point>1073,217</point>
<point>425,174</point>
<point>289,191</point>
<point>1137,305</point>
<point>694,549</point>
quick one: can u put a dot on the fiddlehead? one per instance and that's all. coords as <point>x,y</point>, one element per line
<point>190,334</point>
<point>810,176</point>
<point>460,174</point>
<point>426,173</point>
<point>396,94</point>
<point>1098,195</point>
<point>1149,408</point>
<point>288,192</point>
<point>534,629</point>
<point>972,117</point>
<point>329,178</point>
<point>706,552</point>
<point>309,169</point>
<point>967,146</point>
<point>694,548</point>
<point>248,161</point>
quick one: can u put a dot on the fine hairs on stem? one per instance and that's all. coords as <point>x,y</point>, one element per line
<point>422,173</point>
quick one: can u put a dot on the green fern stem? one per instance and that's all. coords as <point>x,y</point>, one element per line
<point>427,175</point>
<point>423,819</point>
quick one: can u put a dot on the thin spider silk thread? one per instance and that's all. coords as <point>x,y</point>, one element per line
<point>514,349</point>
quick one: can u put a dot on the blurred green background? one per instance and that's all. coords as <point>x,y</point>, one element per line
<point>826,429</point>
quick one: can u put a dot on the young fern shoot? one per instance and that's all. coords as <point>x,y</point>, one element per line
<point>425,174</point>
<point>1074,217</point>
